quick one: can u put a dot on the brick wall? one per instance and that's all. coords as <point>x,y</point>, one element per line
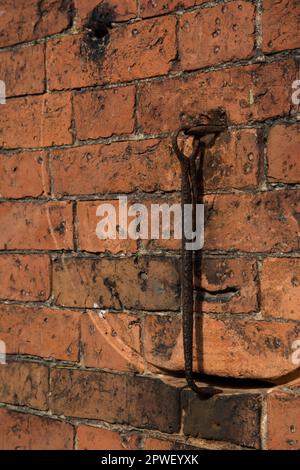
<point>92,328</point>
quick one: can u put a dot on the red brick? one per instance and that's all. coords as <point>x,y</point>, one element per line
<point>87,225</point>
<point>23,21</point>
<point>77,170</point>
<point>280,287</point>
<point>23,70</point>
<point>293,384</point>
<point>36,121</point>
<point>67,65</point>
<point>90,438</point>
<point>214,35</point>
<point>24,384</point>
<point>261,222</point>
<point>159,7</point>
<point>29,225</point>
<point>150,165</point>
<point>24,277</point>
<point>283,418</point>
<point>143,49</point>
<point>138,50</point>
<point>151,443</point>
<point>281,25</point>
<point>121,11</point>
<point>283,153</point>
<point>233,161</point>
<point>238,276</point>
<point>142,402</point>
<point>250,93</point>
<point>121,167</point>
<point>111,341</point>
<point>223,347</point>
<point>24,174</point>
<point>233,416</point>
<point>40,332</point>
<point>19,431</point>
<point>104,113</point>
<point>89,239</point>
<point>142,283</point>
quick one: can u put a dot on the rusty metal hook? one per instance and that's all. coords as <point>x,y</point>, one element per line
<point>189,195</point>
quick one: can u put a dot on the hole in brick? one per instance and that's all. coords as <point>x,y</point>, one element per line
<point>218,296</point>
<point>97,32</point>
<point>101,31</point>
<point>292,428</point>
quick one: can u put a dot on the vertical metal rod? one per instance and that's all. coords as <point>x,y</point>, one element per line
<point>189,195</point>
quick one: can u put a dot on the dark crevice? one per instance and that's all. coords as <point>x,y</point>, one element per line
<point>40,13</point>
<point>217,296</point>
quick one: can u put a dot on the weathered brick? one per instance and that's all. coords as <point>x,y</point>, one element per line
<point>142,283</point>
<point>67,65</point>
<point>88,219</point>
<point>143,49</point>
<point>121,11</point>
<point>261,222</point>
<point>30,225</point>
<point>91,438</point>
<point>283,418</point>
<point>214,35</point>
<point>23,70</point>
<point>159,7</point>
<point>226,285</point>
<point>36,121</point>
<point>24,384</point>
<point>151,443</point>
<point>230,417</point>
<point>293,384</point>
<point>24,174</point>
<point>223,347</point>
<point>281,25</point>
<point>46,18</point>
<point>87,224</point>
<point>250,93</point>
<point>40,332</point>
<point>283,153</point>
<point>121,167</point>
<point>19,431</point>
<point>104,113</point>
<point>233,161</point>
<point>150,165</point>
<point>137,401</point>
<point>24,277</point>
<point>280,286</point>
<point>111,341</point>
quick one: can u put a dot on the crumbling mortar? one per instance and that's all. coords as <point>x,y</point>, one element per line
<point>163,254</point>
<point>264,425</point>
<point>148,196</point>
